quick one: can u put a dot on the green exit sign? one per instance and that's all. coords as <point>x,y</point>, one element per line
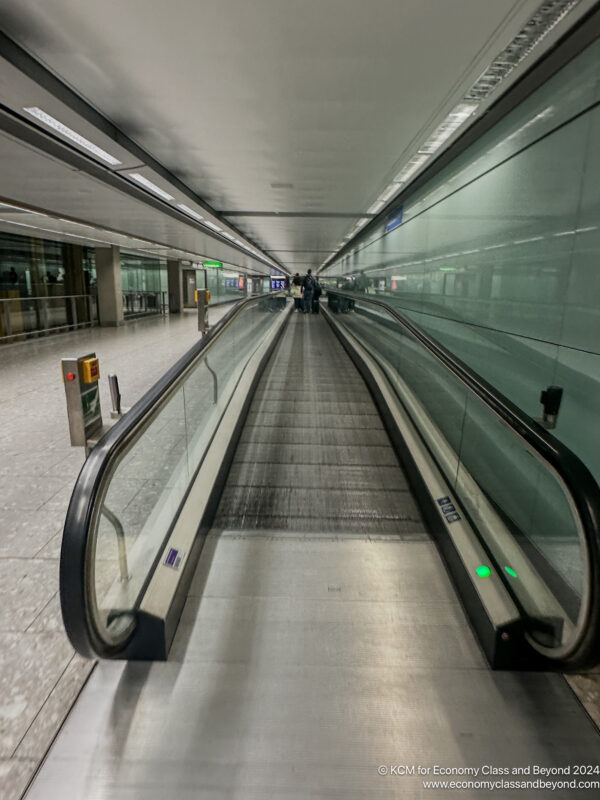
<point>213,264</point>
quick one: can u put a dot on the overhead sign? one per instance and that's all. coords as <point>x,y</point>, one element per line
<point>213,264</point>
<point>394,220</point>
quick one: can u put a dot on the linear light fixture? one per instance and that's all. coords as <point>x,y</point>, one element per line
<point>445,129</point>
<point>190,211</point>
<point>535,30</point>
<point>69,133</point>
<point>149,185</point>
<point>547,17</point>
<point>211,225</point>
<point>389,192</point>
<point>377,206</point>
<point>415,163</point>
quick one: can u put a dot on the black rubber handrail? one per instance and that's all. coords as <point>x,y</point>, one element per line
<point>584,490</point>
<point>74,576</point>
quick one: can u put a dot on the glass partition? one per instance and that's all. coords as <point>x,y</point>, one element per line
<point>146,484</point>
<point>517,502</point>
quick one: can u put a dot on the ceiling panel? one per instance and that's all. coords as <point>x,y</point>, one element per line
<point>44,182</point>
<point>270,105</point>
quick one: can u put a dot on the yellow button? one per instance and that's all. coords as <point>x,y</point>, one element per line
<point>91,370</point>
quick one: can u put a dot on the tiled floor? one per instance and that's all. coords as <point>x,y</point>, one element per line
<point>40,676</point>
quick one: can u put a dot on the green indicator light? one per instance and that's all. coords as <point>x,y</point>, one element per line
<point>511,572</point>
<point>446,269</point>
<point>214,264</point>
<point>483,571</point>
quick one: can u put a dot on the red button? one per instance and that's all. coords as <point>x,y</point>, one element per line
<point>70,376</point>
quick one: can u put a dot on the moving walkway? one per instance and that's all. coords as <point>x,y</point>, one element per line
<point>299,555</point>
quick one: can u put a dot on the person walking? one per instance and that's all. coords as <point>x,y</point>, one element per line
<point>308,289</point>
<point>297,291</point>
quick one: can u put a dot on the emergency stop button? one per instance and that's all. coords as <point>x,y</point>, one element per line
<point>90,370</point>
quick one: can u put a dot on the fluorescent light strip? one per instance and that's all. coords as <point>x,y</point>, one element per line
<point>190,211</point>
<point>415,163</point>
<point>391,190</point>
<point>547,17</point>
<point>149,185</point>
<point>445,129</point>
<point>377,206</point>
<point>69,133</point>
<point>211,225</point>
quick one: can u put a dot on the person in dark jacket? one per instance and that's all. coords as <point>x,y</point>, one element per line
<point>308,288</point>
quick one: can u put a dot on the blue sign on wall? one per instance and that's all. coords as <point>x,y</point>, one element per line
<point>394,220</point>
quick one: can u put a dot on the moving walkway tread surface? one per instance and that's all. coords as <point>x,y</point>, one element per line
<point>308,657</point>
<point>314,454</point>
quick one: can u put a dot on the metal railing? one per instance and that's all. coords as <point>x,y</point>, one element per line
<point>90,630</point>
<point>144,303</point>
<point>581,490</point>
<point>25,316</point>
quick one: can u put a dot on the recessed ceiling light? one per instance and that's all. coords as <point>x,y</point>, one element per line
<point>415,163</point>
<point>391,190</point>
<point>377,205</point>
<point>446,128</point>
<point>149,185</point>
<point>547,17</point>
<point>190,211</point>
<point>69,133</point>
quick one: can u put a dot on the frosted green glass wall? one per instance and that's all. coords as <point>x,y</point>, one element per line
<point>224,284</point>
<point>498,256</point>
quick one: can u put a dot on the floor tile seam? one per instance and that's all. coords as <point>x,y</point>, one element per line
<point>58,491</point>
<point>41,708</point>
<point>33,621</point>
